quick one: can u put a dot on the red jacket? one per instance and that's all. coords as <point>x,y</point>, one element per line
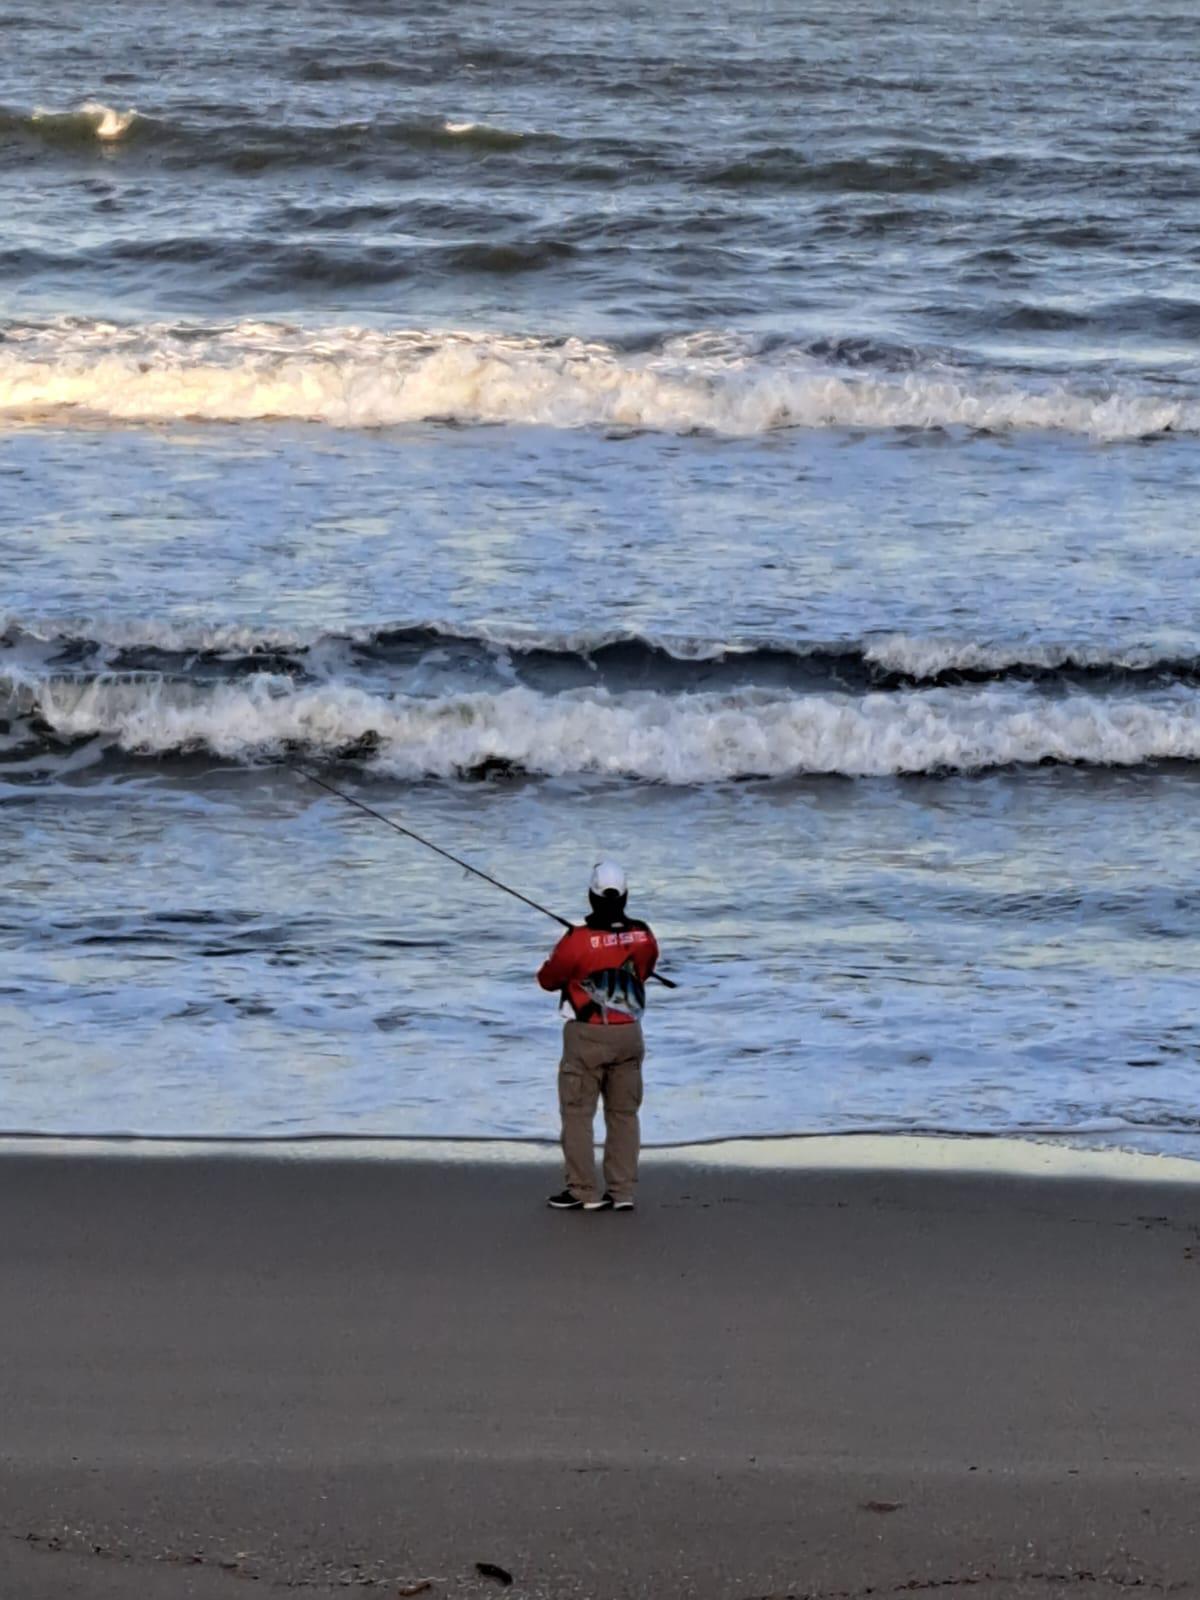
<point>587,955</point>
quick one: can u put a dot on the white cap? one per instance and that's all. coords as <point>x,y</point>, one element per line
<point>607,878</point>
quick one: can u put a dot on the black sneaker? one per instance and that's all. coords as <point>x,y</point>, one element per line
<point>609,1204</point>
<point>565,1201</point>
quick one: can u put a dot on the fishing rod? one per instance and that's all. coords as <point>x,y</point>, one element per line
<point>409,833</point>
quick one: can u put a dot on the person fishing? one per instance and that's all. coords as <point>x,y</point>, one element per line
<point>601,970</point>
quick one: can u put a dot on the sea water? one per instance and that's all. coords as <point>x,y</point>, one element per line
<point>758,443</point>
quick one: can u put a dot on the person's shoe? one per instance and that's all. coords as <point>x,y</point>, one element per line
<point>610,1204</point>
<point>565,1201</point>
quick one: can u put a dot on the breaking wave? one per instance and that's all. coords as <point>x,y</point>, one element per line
<point>611,657</point>
<point>484,135</point>
<point>672,739</point>
<point>91,121</point>
<point>360,377</point>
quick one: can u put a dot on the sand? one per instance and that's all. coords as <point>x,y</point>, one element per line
<point>326,1373</point>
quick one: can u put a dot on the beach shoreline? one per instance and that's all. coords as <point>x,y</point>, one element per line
<point>337,1372</point>
<point>1033,1154</point>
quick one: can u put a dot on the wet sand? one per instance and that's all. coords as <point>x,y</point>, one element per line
<point>333,1373</point>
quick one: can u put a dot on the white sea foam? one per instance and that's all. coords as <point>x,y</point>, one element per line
<point>139,633</point>
<point>476,127</point>
<point>670,739</point>
<point>356,377</point>
<point>41,637</point>
<point>107,123</point>
<point>28,639</point>
<point>930,657</point>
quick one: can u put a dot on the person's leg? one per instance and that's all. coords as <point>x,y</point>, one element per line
<point>622,1097</point>
<point>578,1093</point>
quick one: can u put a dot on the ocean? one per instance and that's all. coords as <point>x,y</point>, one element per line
<point>758,443</point>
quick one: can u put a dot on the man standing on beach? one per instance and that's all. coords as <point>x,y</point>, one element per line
<point>601,969</point>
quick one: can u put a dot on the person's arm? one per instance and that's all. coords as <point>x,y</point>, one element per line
<point>559,966</point>
<point>645,952</point>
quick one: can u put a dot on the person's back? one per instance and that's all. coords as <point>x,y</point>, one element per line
<point>601,970</point>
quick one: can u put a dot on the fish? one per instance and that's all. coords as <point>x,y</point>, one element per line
<point>616,989</point>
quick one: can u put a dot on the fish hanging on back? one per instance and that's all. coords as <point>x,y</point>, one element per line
<point>617,989</point>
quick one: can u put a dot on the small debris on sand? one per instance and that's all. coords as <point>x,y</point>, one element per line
<point>488,1569</point>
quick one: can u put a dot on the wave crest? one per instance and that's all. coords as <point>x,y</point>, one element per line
<point>607,657</point>
<point>92,120</point>
<point>250,145</point>
<point>484,135</point>
<point>901,170</point>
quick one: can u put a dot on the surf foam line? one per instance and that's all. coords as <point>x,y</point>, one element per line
<point>673,739</point>
<point>367,378</point>
<point>91,644</point>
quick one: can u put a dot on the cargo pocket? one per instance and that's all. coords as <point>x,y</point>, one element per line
<point>574,1090</point>
<point>624,1086</point>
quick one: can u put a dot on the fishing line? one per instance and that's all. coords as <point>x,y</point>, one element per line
<point>409,833</point>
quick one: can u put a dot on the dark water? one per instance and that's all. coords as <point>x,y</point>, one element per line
<point>757,444</point>
<point>1000,180</point>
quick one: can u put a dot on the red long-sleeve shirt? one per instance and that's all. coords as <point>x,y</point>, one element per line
<point>588,950</point>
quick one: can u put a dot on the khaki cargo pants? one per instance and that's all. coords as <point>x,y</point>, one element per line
<point>601,1061</point>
